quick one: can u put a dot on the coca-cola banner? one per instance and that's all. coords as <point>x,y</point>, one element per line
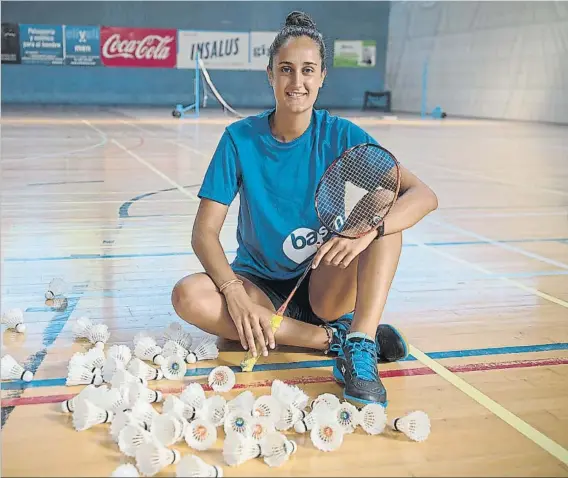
<point>138,47</point>
<point>218,50</point>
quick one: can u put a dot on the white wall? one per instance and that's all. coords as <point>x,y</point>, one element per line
<point>506,60</point>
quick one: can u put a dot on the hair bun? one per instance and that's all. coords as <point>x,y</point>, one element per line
<point>300,19</point>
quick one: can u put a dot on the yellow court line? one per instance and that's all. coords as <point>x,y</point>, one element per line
<point>513,420</point>
<point>519,285</point>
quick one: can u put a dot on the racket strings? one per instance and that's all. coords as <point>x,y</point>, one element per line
<point>358,190</point>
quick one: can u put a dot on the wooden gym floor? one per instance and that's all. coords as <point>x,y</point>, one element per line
<point>105,199</point>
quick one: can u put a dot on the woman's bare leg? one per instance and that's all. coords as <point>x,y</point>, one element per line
<point>197,301</point>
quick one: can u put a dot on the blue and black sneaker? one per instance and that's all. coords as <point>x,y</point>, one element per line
<point>356,368</point>
<point>391,344</point>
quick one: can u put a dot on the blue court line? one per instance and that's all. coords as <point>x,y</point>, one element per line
<point>191,253</point>
<point>124,208</point>
<point>204,371</point>
<point>64,182</point>
<point>33,362</point>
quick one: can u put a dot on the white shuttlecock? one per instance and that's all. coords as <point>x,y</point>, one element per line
<point>120,353</point>
<point>131,437</point>
<point>152,458</point>
<point>327,435</point>
<point>243,401</point>
<point>373,418</point>
<point>147,349</point>
<point>415,425</point>
<point>206,350</point>
<point>10,369</point>
<point>81,327</point>
<point>276,449</point>
<point>169,429</point>
<point>193,395</point>
<point>173,404</point>
<point>268,407</point>
<point>200,435</point>
<point>174,368</point>
<point>14,319</point>
<point>138,392</point>
<point>127,470</point>
<point>222,379</point>
<point>87,415</point>
<point>87,393</point>
<point>175,333</point>
<point>98,335</point>
<point>237,449</point>
<point>141,369</point>
<point>122,377</point>
<point>110,367</point>
<point>214,410</point>
<point>173,348</point>
<point>142,414</point>
<point>288,417</point>
<point>289,395</point>
<point>237,422</point>
<point>308,422</point>
<point>347,416</point>
<point>56,288</point>
<point>93,360</point>
<point>260,427</point>
<point>326,400</point>
<point>77,375</point>
<point>193,466</point>
<point>114,399</point>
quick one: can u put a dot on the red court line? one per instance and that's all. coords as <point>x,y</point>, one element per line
<point>406,372</point>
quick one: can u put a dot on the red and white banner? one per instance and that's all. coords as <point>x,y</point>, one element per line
<point>138,47</point>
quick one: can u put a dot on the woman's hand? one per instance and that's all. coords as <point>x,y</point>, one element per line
<point>251,320</point>
<point>340,251</point>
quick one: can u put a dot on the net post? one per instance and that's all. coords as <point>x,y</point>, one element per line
<point>424,88</point>
<point>197,78</point>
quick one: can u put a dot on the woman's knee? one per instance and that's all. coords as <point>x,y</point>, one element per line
<point>191,297</point>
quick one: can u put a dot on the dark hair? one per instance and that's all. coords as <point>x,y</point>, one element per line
<point>298,24</point>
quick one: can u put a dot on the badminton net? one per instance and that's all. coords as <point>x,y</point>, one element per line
<point>208,85</point>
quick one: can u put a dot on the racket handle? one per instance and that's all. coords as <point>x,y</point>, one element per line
<point>249,361</point>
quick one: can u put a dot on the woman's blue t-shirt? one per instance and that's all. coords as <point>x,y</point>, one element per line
<point>278,226</point>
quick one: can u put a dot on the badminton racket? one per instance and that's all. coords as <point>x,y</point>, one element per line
<point>353,197</point>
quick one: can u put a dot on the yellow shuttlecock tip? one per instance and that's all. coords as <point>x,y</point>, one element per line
<point>249,361</point>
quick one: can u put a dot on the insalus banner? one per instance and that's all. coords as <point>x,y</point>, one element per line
<point>224,50</point>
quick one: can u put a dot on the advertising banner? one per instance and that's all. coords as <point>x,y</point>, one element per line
<point>11,43</point>
<point>82,45</point>
<point>41,44</point>
<point>218,50</point>
<point>354,54</point>
<point>259,47</point>
<point>138,47</point>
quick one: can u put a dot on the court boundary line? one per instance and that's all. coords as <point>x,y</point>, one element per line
<point>485,271</point>
<point>522,427</point>
<point>168,140</point>
<point>537,437</point>
<point>495,180</point>
<point>502,245</point>
<point>391,373</point>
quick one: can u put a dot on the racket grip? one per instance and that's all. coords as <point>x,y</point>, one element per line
<point>249,361</point>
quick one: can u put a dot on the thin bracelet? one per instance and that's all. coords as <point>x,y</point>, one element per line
<point>329,333</point>
<point>224,285</point>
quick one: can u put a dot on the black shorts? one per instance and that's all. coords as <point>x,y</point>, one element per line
<point>278,291</point>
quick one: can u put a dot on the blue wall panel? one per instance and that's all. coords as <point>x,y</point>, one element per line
<point>344,87</point>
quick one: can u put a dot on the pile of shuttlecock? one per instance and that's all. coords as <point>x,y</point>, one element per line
<point>118,394</point>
